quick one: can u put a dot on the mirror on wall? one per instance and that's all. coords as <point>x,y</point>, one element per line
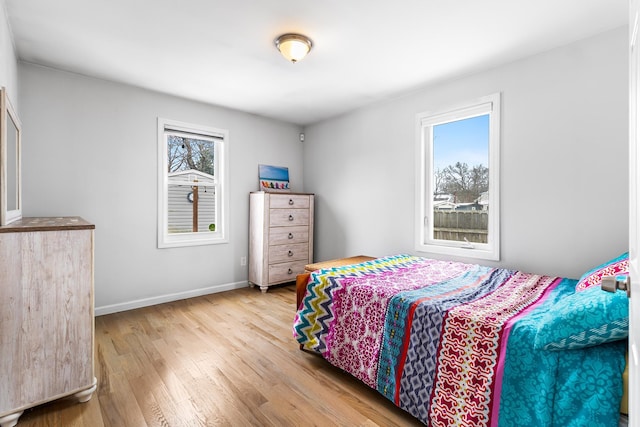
<point>10,171</point>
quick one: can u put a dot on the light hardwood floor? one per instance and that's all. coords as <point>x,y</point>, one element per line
<point>221,359</point>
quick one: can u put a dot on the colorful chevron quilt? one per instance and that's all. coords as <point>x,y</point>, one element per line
<point>452,343</point>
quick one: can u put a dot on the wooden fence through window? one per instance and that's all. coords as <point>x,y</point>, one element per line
<point>458,225</point>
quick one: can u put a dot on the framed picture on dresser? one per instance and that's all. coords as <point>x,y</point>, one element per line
<point>273,178</point>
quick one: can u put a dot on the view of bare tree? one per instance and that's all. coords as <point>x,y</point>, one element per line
<point>464,183</point>
<point>187,153</point>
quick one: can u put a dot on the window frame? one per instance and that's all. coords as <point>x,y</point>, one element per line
<point>425,121</point>
<point>221,137</point>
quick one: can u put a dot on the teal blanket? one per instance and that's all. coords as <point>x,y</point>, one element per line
<point>580,387</point>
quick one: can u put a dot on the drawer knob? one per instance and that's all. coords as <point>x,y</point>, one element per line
<point>291,201</point>
<point>290,217</point>
<point>289,271</point>
<point>290,235</point>
<point>290,253</point>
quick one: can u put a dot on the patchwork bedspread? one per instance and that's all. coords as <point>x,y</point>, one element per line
<point>452,343</point>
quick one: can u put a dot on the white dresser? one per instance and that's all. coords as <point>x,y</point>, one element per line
<point>280,237</point>
<point>46,313</point>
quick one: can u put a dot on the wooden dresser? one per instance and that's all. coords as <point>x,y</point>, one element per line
<point>280,237</point>
<point>46,313</point>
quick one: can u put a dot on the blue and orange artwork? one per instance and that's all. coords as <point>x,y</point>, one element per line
<point>273,178</point>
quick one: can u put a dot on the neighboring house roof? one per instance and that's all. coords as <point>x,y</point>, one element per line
<point>190,176</point>
<point>443,197</point>
<point>445,204</point>
<point>468,206</point>
<point>483,199</point>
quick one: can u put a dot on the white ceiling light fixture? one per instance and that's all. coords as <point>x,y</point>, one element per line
<point>293,47</point>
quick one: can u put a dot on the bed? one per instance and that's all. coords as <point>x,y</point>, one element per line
<point>463,344</point>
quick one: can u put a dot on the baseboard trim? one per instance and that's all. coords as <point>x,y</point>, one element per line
<point>146,302</point>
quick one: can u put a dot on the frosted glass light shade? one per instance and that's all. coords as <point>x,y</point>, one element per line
<point>293,47</point>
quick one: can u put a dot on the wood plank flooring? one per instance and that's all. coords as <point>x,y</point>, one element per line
<point>226,359</point>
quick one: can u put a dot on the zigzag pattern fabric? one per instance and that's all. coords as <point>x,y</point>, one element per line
<point>453,343</point>
<point>311,323</point>
<point>353,344</point>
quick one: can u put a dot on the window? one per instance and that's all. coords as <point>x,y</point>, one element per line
<point>457,180</point>
<point>192,188</point>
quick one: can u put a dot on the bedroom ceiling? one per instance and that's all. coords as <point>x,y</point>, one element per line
<point>222,52</point>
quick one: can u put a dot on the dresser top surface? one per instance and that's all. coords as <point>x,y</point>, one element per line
<point>282,193</point>
<point>47,224</point>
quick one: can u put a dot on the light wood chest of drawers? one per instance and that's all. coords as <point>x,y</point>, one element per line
<point>280,237</point>
<point>46,313</point>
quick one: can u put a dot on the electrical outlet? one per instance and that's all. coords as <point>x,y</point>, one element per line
<point>243,261</point>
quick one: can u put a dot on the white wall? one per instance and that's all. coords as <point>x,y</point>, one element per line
<point>90,149</point>
<point>8,61</point>
<point>564,162</point>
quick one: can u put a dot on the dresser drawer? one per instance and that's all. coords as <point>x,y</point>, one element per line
<point>281,201</point>
<point>288,235</point>
<point>288,217</point>
<point>281,253</point>
<point>286,271</point>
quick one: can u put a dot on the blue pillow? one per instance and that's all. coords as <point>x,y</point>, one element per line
<point>584,319</point>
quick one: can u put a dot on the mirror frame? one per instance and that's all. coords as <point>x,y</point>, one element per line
<point>8,113</point>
